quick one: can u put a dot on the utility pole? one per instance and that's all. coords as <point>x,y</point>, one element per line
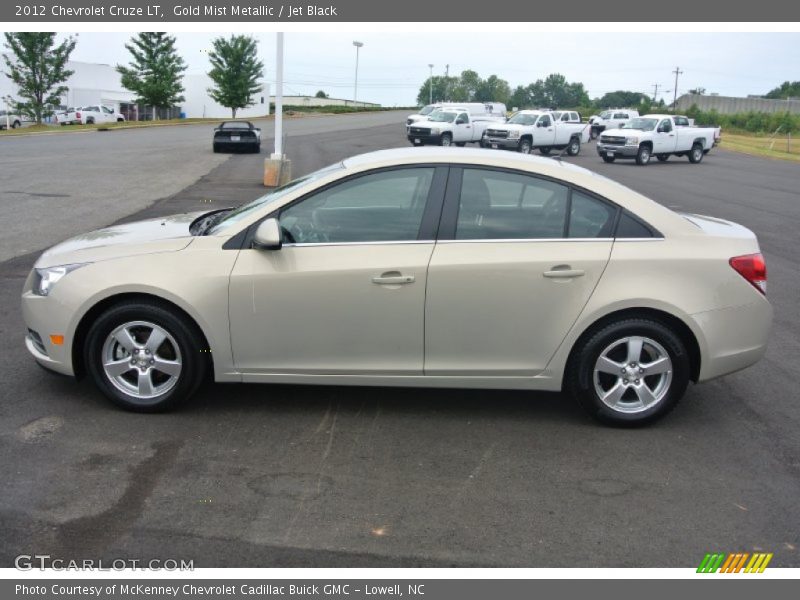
<point>677,72</point>
<point>430,85</point>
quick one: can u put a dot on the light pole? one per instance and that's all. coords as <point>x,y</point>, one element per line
<point>430,85</point>
<point>355,92</point>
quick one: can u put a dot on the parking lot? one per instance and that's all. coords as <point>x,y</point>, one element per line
<point>291,476</point>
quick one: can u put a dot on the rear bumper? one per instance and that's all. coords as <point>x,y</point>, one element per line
<point>735,338</point>
<point>232,145</point>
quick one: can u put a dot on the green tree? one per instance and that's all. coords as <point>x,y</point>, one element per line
<point>443,89</point>
<point>235,71</point>
<point>619,99</point>
<point>156,71</point>
<point>493,89</point>
<point>321,94</point>
<point>788,89</point>
<point>38,68</point>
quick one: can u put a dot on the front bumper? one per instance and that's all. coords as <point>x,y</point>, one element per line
<point>505,143</point>
<point>425,139</point>
<point>617,151</point>
<point>44,316</point>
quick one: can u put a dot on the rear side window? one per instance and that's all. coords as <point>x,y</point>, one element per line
<point>590,217</point>
<point>495,205</point>
<point>631,227</point>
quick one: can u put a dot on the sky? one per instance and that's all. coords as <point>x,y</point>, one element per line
<point>393,66</point>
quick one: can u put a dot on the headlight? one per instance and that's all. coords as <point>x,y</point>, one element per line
<point>631,141</point>
<point>435,131</point>
<point>513,134</point>
<point>47,278</point>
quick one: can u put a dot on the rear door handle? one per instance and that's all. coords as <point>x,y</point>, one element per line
<point>566,273</point>
<point>393,279</point>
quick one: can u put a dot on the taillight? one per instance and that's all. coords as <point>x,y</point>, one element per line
<point>77,115</point>
<point>753,268</point>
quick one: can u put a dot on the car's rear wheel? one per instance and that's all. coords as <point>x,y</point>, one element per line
<point>144,357</point>
<point>574,147</point>
<point>696,154</point>
<point>16,124</point>
<point>90,121</point>
<point>630,372</point>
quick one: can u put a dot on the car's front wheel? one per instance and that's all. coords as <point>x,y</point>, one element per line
<point>629,372</point>
<point>144,356</point>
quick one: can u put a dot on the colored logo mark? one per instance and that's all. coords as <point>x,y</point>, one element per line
<point>736,562</point>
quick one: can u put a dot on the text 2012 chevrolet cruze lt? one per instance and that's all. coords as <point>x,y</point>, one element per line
<point>416,267</point>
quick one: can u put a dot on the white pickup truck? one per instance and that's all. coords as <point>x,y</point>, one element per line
<point>658,135</point>
<point>449,126</point>
<point>90,115</point>
<point>529,129</point>
<point>611,119</point>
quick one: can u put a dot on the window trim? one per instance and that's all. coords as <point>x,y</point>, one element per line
<point>426,233</point>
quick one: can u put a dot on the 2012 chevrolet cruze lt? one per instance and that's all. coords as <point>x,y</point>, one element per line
<point>415,267</point>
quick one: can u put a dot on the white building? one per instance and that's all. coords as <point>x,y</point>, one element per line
<point>93,83</point>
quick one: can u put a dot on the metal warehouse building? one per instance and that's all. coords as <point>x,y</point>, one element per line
<point>94,83</point>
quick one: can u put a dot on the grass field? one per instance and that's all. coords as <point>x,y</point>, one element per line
<point>778,147</point>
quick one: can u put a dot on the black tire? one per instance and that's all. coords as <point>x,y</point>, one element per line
<point>545,150</point>
<point>662,157</point>
<point>524,146</point>
<point>643,156</point>
<point>193,354</point>
<point>593,133</point>
<point>257,149</point>
<point>446,140</point>
<point>16,124</point>
<point>696,153</point>
<point>574,147</point>
<point>581,377</point>
<point>608,159</point>
<point>120,120</point>
<point>216,148</point>
<point>461,144</point>
<point>483,144</point>
<point>90,121</point>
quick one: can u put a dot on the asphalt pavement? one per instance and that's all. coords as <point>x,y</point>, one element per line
<point>248,475</point>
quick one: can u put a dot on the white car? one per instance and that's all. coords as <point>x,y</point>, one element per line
<point>421,267</point>
<point>448,126</point>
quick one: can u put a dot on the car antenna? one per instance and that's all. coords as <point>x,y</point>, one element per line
<point>560,154</point>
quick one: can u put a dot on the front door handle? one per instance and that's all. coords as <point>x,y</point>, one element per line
<point>393,278</point>
<point>564,272</point>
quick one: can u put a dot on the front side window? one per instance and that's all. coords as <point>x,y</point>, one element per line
<point>498,205</point>
<point>107,110</point>
<point>378,207</point>
<point>544,121</point>
<point>665,126</point>
<point>462,118</point>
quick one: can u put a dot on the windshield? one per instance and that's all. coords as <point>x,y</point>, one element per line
<point>426,110</point>
<point>523,119</point>
<point>642,124</point>
<point>442,117</point>
<point>239,213</point>
<point>605,115</point>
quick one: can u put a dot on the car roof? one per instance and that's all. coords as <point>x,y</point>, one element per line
<point>465,156</point>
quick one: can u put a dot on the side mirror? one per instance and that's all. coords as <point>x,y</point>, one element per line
<point>539,124</point>
<point>460,121</point>
<point>268,235</point>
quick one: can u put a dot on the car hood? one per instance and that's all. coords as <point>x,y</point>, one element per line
<point>165,234</point>
<point>623,132</point>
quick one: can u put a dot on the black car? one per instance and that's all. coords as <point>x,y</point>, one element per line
<point>237,135</point>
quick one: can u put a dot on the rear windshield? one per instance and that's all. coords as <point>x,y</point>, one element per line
<point>235,125</point>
